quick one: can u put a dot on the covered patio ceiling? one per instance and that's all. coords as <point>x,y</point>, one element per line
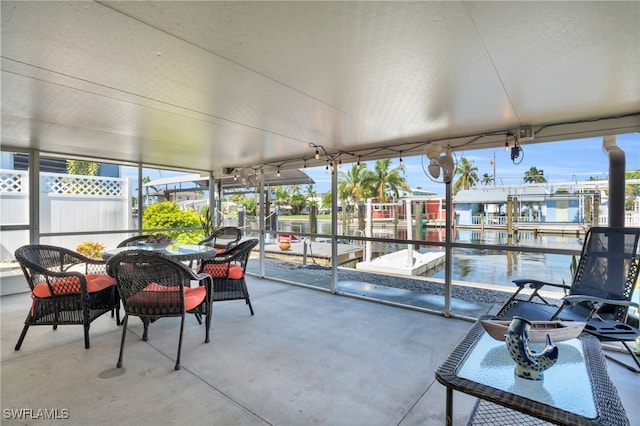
<point>218,86</point>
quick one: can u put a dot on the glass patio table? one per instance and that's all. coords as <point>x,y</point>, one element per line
<point>181,252</point>
<point>576,390</point>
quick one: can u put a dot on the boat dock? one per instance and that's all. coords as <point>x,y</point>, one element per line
<point>404,262</point>
<point>318,252</point>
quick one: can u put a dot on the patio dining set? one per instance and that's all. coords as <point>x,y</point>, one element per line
<point>150,281</point>
<point>173,281</point>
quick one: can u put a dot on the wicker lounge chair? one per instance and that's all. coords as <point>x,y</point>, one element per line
<point>66,288</point>
<point>152,285</point>
<point>228,272</point>
<point>600,293</point>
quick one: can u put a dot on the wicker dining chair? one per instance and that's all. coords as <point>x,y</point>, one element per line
<point>224,238</point>
<point>152,285</point>
<point>228,272</point>
<point>133,241</point>
<point>66,288</point>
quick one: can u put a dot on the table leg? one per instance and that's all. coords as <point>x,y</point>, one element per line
<point>449,407</point>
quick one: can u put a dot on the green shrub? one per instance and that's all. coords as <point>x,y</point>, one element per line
<point>168,214</point>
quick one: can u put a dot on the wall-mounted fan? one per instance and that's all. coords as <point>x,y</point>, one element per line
<point>249,178</point>
<point>440,162</point>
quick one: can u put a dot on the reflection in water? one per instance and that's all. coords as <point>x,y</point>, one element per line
<point>481,265</point>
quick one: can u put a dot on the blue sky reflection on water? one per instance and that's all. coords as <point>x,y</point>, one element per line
<point>500,267</point>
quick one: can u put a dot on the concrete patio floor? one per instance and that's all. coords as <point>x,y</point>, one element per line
<point>306,357</point>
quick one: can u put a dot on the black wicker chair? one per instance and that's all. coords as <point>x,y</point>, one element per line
<point>224,238</point>
<point>600,293</point>
<point>152,285</point>
<point>133,241</point>
<point>228,272</point>
<point>66,288</point>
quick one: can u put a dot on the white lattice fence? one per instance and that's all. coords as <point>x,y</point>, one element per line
<point>81,185</point>
<point>68,203</point>
<point>14,181</point>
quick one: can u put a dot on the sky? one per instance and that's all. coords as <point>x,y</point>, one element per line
<point>576,160</point>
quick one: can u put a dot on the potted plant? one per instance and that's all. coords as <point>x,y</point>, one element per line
<point>91,250</point>
<point>208,227</point>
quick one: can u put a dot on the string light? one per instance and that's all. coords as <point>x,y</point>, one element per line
<point>326,169</point>
<point>317,154</point>
<point>401,162</point>
<point>278,172</point>
<point>358,164</point>
<point>305,164</point>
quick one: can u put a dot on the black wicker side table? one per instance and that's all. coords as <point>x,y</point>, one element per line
<point>482,367</point>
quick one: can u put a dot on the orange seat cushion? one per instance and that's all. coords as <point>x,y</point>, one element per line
<point>71,285</point>
<point>219,270</point>
<point>192,296</point>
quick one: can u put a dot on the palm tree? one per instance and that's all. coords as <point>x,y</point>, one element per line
<point>282,196</point>
<point>533,175</point>
<point>468,175</point>
<point>86,168</point>
<point>147,179</point>
<point>353,186</point>
<point>487,179</point>
<point>311,195</point>
<point>388,181</point>
<point>297,200</point>
<point>632,192</point>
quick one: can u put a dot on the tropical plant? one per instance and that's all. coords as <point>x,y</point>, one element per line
<point>355,184</point>
<point>487,179</point>
<point>387,181</point>
<point>327,199</point>
<point>297,200</point>
<point>311,195</point>
<point>632,191</point>
<point>85,168</point>
<point>468,175</point>
<point>282,196</point>
<point>206,221</point>
<point>533,175</point>
<point>249,205</point>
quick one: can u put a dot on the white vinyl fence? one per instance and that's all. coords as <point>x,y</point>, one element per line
<point>68,203</point>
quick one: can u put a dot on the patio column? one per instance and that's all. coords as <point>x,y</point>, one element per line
<point>616,180</point>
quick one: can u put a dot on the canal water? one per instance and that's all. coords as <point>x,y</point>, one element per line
<point>481,265</point>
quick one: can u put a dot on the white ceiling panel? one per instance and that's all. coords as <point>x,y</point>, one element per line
<point>209,85</point>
